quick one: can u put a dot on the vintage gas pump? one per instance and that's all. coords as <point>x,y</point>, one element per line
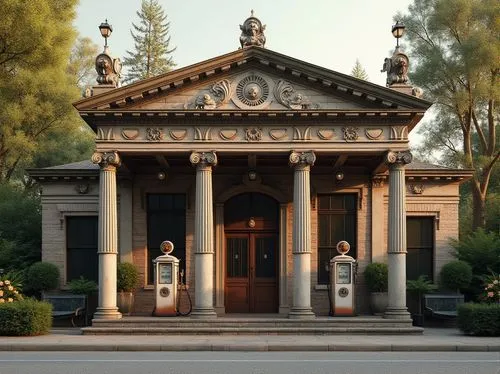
<point>342,272</point>
<point>166,277</point>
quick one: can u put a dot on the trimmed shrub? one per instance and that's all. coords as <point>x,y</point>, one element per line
<point>127,277</point>
<point>479,319</point>
<point>82,286</point>
<point>27,317</point>
<point>455,275</point>
<point>41,276</point>
<point>376,277</point>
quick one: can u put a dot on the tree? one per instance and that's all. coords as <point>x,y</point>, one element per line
<point>35,90</point>
<point>82,62</point>
<point>151,38</point>
<point>456,58</point>
<point>359,72</point>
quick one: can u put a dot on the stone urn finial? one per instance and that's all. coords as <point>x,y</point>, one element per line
<point>252,32</point>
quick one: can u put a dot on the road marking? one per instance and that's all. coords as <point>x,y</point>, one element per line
<point>271,361</point>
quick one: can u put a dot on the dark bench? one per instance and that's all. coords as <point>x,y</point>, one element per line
<point>442,305</point>
<point>68,306</point>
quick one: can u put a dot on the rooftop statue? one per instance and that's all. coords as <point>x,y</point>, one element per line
<point>252,32</point>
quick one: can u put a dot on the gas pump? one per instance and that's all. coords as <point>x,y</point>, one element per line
<point>342,277</point>
<point>166,278</point>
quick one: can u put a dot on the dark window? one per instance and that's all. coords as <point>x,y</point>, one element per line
<point>81,243</point>
<point>420,247</point>
<point>166,221</point>
<point>336,222</point>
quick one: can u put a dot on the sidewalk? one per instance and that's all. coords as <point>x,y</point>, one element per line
<point>433,339</point>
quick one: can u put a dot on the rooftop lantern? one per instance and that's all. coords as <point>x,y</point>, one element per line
<point>398,30</point>
<point>106,29</point>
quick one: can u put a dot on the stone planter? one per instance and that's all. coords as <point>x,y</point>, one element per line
<point>125,302</point>
<point>379,302</point>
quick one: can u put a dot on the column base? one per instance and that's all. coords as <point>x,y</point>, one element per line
<point>203,313</point>
<point>301,313</point>
<point>397,313</point>
<point>107,313</point>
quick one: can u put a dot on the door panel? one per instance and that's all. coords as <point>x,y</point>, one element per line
<point>251,280</point>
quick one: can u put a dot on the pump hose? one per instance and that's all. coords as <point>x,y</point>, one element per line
<point>183,287</point>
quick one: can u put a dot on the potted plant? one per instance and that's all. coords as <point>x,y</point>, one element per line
<point>418,288</point>
<point>127,281</point>
<point>376,278</point>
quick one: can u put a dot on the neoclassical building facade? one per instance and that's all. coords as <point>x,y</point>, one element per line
<point>254,164</point>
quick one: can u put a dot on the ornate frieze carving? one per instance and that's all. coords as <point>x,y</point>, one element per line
<point>203,158</point>
<point>252,92</point>
<point>82,188</point>
<point>302,158</point>
<point>252,32</point>
<point>130,134</point>
<point>417,189</point>
<point>286,95</point>
<point>106,160</point>
<point>373,134</point>
<point>326,134</point>
<point>350,133</point>
<point>377,182</point>
<point>399,133</point>
<point>277,134</point>
<point>301,134</point>
<point>154,134</point>
<point>203,133</point>
<point>398,157</point>
<point>229,134</point>
<point>105,134</point>
<point>219,94</point>
<point>178,134</point>
<point>253,134</point>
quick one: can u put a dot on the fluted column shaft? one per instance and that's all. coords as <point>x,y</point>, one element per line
<point>301,304</point>
<point>108,234</point>
<point>204,235</point>
<point>396,260</point>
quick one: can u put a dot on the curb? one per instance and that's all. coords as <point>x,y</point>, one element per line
<point>246,347</point>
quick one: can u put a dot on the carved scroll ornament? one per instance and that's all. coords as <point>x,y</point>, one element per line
<point>302,158</point>
<point>106,159</point>
<point>203,158</point>
<point>401,158</point>
<point>219,94</point>
<point>287,96</point>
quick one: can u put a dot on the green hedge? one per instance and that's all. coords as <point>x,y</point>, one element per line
<point>479,319</point>
<point>25,318</point>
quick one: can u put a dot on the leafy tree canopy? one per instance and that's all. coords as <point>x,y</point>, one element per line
<point>456,60</point>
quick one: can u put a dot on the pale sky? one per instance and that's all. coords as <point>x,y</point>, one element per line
<point>328,33</point>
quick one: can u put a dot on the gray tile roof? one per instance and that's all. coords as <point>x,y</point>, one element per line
<point>81,165</point>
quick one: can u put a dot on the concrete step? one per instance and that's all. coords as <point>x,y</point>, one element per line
<point>252,326</point>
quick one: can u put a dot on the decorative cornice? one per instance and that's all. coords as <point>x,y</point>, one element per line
<point>107,160</point>
<point>203,158</point>
<point>401,158</point>
<point>302,158</point>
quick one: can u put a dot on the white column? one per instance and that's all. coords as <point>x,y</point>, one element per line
<point>204,235</point>
<point>301,303</point>
<point>108,234</point>
<point>396,248</point>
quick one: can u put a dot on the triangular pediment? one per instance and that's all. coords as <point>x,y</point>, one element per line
<point>251,79</point>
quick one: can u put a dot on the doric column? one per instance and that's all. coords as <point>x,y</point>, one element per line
<point>204,235</point>
<point>108,234</point>
<point>301,303</point>
<point>396,248</point>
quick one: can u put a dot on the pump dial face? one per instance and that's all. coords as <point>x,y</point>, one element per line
<point>343,247</point>
<point>167,247</point>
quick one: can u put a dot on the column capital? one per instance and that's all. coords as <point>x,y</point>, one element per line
<point>399,158</point>
<point>203,158</point>
<point>107,160</point>
<point>302,158</point>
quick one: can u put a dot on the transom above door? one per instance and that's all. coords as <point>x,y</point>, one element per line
<point>252,252</point>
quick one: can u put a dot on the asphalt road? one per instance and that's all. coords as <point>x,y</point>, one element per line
<point>250,363</point>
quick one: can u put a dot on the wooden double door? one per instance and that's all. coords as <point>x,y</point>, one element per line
<point>251,273</point>
<point>252,253</point>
